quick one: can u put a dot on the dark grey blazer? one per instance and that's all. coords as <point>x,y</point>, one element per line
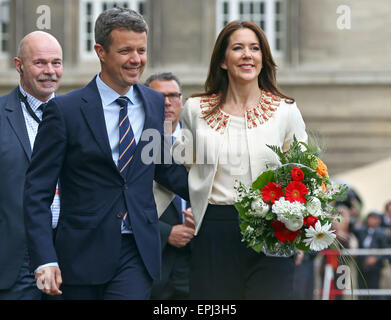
<point>15,152</point>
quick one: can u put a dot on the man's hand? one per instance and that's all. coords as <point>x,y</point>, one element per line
<point>181,234</point>
<point>299,257</point>
<point>49,280</point>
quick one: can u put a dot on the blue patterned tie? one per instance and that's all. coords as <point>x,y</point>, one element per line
<point>127,144</point>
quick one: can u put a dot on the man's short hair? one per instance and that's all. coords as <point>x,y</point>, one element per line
<point>117,18</point>
<point>163,76</point>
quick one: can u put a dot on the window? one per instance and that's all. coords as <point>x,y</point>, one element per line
<point>268,14</point>
<point>4,27</point>
<point>89,12</point>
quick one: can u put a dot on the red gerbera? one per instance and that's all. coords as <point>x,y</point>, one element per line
<point>282,233</point>
<point>297,174</point>
<point>310,221</point>
<point>271,192</point>
<point>295,191</point>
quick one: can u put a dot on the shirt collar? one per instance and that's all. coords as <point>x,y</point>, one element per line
<point>33,102</point>
<point>176,131</point>
<point>108,95</point>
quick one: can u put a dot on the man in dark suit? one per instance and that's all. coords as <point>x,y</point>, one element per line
<point>176,225</point>
<point>107,244</point>
<point>39,64</point>
<point>371,236</point>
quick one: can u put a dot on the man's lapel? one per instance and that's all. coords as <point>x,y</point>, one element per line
<point>17,122</point>
<point>92,110</point>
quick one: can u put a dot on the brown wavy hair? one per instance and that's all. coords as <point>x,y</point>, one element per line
<point>217,80</point>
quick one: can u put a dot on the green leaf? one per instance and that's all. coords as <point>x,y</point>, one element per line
<point>243,226</point>
<point>302,246</point>
<point>257,248</point>
<point>239,207</point>
<point>263,179</point>
<point>269,216</point>
<point>241,210</point>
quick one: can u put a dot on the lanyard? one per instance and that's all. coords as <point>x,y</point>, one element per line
<point>28,107</point>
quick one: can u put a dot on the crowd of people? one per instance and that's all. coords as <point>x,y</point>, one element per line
<point>355,230</point>
<point>84,215</point>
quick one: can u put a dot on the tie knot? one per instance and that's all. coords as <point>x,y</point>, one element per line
<point>42,107</point>
<point>122,101</point>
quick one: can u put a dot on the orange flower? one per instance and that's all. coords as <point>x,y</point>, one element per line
<point>323,186</point>
<point>322,168</point>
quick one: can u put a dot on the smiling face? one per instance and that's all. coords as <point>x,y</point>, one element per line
<point>39,64</point>
<point>125,61</point>
<point>243,57</point>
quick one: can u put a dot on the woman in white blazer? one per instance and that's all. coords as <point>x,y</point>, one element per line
<point>224,138</point>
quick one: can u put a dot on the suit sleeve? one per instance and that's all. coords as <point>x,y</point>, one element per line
<point>174,177</point>
<point>165,230</point>
<point>40,186</point>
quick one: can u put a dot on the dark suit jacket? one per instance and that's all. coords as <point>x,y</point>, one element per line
<point>378,241</point>
<point>174,282</point>
<point>15,152</point>
<point>72,144</point>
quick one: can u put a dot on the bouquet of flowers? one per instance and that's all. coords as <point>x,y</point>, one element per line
<point>290,207</point>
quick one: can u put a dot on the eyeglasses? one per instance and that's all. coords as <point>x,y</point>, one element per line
<point>173,96</point>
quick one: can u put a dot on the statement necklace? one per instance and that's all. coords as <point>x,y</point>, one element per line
<point>217,119</point>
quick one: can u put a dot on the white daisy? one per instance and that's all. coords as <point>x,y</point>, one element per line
<point>320,237</point>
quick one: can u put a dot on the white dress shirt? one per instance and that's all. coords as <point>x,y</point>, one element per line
<point>32,129</point>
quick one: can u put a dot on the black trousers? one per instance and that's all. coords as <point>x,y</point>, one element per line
<point>222,267</point>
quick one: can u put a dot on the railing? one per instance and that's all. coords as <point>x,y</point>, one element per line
<point>329,292</point>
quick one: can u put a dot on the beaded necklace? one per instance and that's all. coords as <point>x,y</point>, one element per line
<point>217,119</point>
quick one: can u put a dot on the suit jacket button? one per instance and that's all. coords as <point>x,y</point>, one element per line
<point>119,215</point>
<point>125,186</point>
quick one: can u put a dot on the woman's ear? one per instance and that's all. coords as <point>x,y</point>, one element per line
<point>223,65</point>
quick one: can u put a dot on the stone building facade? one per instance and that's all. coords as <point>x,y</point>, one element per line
<point>334,56</point>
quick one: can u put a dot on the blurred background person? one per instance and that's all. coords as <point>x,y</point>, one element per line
<point>176,225</point>
<point>385,281</point>
<point>354,204</point>
<point>370,236</point>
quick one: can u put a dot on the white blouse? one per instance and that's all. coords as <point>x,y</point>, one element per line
<point>233,163</point>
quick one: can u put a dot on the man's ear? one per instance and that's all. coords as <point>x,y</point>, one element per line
<point>100,51</point>
<point>18,65</point>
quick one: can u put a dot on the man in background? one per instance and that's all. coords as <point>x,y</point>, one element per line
<point>176,225</point>
<point>371,236</point>
<point>39,64</point>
